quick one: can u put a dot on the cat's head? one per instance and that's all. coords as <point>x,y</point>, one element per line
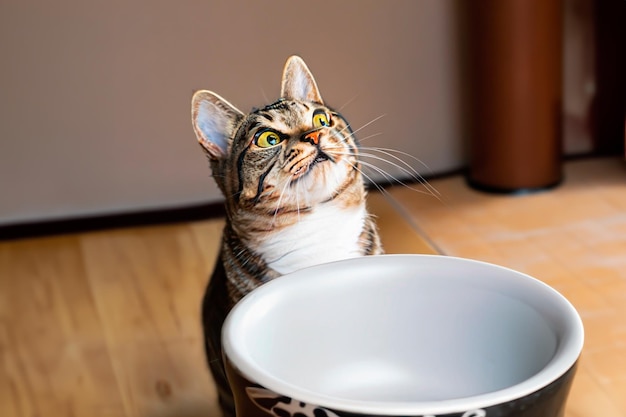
<point>287,156</point>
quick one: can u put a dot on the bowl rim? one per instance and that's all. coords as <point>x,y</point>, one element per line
<point>558,366</point>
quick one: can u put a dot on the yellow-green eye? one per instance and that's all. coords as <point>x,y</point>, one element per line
<point>267,139</point>
<point>320,119</point>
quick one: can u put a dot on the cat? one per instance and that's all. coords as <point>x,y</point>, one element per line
<point>294,195</point>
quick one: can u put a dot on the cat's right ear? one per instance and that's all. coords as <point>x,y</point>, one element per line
<point>215,121</point>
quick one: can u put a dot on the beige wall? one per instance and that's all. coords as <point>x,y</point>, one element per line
<point>94,96</point>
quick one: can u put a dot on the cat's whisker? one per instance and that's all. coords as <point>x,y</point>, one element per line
<point>267,100</point>
<point>362,127</point>
<point>361,140</point>
<point>214,176</point>
<point>394,180</point>
<point>391,152</point>
<point>412,174</point>
<point>280,199</point>
<point>402,165</point>
<point>351,135</point>
<point>356,166</point>
<point>371,181</point>
<point>347,103</point>
<point>298,201</point>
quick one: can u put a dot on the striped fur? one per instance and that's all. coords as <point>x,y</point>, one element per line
<point>297,203</point>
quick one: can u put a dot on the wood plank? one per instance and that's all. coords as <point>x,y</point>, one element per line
<point>397,233</point>
<point>150,283</point>
<point>588,398</point>
<point>53,361</point>
<point>208,238</point>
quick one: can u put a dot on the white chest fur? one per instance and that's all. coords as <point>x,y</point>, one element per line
<point>324,235</point>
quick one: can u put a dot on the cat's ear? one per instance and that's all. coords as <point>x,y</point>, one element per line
<point>298,82</point>
<point>215,121</point>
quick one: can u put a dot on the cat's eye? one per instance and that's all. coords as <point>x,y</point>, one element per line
<point>267,139</point>
<point>320,119</point>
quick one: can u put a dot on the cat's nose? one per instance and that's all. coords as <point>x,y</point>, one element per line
<point>312,137</point>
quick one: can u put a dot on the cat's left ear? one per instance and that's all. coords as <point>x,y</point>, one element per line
<point>298,82</point>
<point>215,122</point>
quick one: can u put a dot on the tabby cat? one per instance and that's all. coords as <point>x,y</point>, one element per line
<point>293,190</point>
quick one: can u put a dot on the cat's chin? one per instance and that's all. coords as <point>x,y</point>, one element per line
<point>322,182</point>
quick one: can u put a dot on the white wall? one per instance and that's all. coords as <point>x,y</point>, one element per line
<point>94,96</point>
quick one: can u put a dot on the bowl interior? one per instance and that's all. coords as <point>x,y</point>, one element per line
<point>402,329</point>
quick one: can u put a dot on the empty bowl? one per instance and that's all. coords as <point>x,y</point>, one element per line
<point>402,335</point>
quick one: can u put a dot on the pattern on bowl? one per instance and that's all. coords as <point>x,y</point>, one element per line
<point>547,402</point>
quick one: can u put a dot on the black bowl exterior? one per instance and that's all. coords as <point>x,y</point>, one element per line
<point>253,400</point>
<point>547,402</point>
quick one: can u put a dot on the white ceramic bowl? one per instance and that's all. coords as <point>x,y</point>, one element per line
<point>403,335</point>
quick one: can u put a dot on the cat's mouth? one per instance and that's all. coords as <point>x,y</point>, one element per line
<point>321,157</point>
<point>305,165</point>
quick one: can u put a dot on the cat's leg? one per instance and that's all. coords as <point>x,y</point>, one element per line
<point>215,306</point>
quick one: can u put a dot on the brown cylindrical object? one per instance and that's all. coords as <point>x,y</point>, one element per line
<point>515,94</point>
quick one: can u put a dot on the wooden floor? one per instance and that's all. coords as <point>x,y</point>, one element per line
<point>107,323</point>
